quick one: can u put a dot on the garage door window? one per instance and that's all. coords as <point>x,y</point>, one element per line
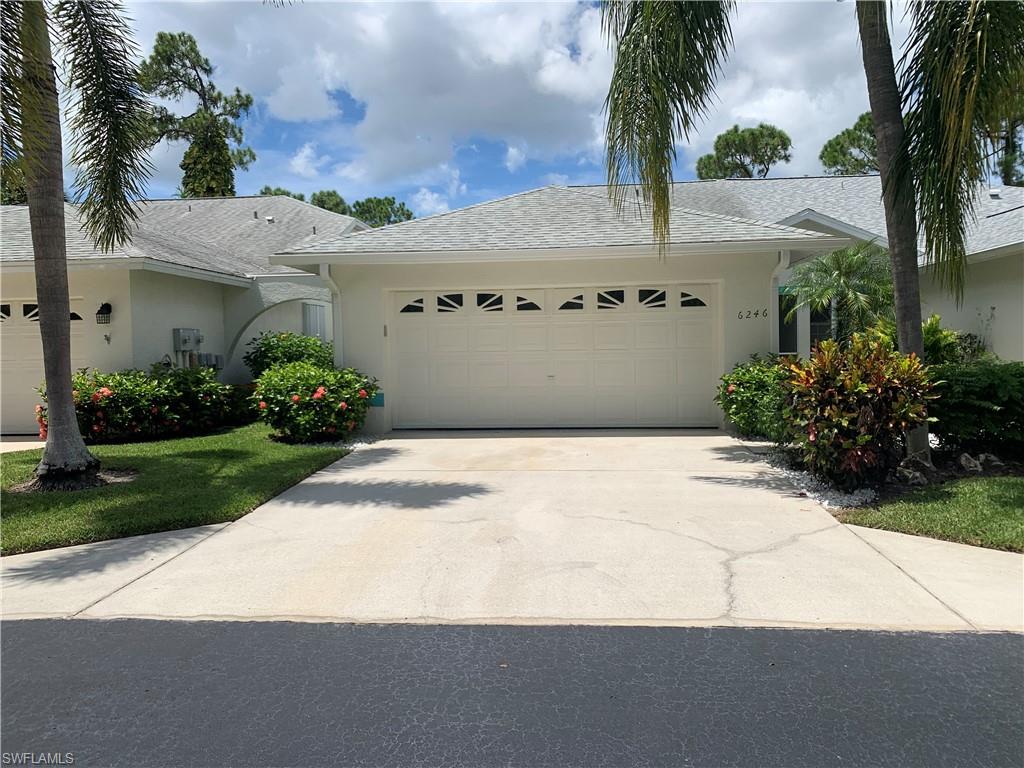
<point>651,298</point>
<point>490,302</point>
<point>689,300</point>
<point>528,303</point>
<point>30,312</point>
<point>416,305</point>
<point>611,298</point>
<point>574,303</point>
<point>5,313</point>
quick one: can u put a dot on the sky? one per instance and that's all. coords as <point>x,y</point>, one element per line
<point>444,105</point>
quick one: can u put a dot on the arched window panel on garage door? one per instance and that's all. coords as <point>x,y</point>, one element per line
<point>450,302</point>
<point>529,301</point>
<point>652,298</point>
<point>689,298</point>
<point>568,299</point>
<point>490,301</point>
<point>411,304</point>
<point>611,298</point>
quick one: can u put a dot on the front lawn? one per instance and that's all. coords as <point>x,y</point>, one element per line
<point>180,483</point>
<point>983,511</point>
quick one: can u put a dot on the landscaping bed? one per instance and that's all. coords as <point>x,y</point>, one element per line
<point>177,484</point>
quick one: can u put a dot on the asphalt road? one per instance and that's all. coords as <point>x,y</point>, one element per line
<point>150,693</point>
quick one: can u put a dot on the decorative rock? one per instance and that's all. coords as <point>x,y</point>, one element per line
<point>991,462</point>
<point>911,476</point>
<point>968,463</point>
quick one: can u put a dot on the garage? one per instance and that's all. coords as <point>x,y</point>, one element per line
<point>601,356</point>
<point>21,359</point>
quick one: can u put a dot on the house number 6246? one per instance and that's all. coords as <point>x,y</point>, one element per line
<point>747,314</point>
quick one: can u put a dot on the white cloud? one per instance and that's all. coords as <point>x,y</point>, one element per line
<point>456,186</point>
<point>306,163</point>
<point>514,159</point>
<point>426,202</point>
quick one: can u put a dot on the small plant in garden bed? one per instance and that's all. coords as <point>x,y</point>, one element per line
<point>752,397</point>
<point>135,405</point>
<point>305,402</point>
<point>980,407</point>
<point>272,348</point>
<point>848,409</point>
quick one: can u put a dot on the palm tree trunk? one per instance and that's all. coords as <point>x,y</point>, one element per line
<point>66,461</point>
<point>898,195</point>
<point>834,319</point>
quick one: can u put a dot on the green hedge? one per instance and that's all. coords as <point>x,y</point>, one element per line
<point>752,397</point>
<point>980,406</point>
<point>306,403</point>
<point>135,405</point>
<point>272,348</point>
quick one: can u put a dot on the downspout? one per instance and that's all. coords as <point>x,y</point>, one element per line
<point>336,331</point>
<point>773,303</point>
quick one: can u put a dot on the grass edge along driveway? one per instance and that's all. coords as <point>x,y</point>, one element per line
<point>181,483</point>
<point>981,511</point>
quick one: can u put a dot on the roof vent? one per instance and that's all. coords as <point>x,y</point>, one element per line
<point>255,215</point>
<point>270,219</point>
<point>995,193</point>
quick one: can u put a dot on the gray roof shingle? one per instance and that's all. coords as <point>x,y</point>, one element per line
<point>228,235</point>
<point>548,218</point>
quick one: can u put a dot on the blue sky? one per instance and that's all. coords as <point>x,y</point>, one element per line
<point>447,104</point>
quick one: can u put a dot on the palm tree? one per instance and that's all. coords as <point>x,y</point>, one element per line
<point>109,131</point>
<point>961,60</point>
<point>853,284</point>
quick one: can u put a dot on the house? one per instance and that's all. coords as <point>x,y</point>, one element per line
<point>198,265</point>
<point>554,308</point>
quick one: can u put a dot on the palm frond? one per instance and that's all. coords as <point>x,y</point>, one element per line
<point>667,56</point>
<point>961,61</point>
<point>12,69</point>
<point>110,132</point>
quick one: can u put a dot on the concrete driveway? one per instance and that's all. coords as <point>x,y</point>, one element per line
<point>647,527</point>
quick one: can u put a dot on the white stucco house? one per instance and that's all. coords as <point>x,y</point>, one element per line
<point>201,265</point>
<point>551,308</point>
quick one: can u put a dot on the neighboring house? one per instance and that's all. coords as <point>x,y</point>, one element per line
<point>993,301</point>
<point>550,308</point>
<point>199,264</point>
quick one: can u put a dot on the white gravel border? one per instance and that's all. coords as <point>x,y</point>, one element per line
<point>818,489</point>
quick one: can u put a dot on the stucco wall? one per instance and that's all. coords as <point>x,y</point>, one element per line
<point>993,305</point>
<point>21,367</point>
<point>282,317</point>
<point>744,284</point>
<point>161,303</point>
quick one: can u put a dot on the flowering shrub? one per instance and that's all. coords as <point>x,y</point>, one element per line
<point>752,396</point>
<point>272,348</point>
<point>305,402</point>
<point>138,405</point>
<point>848,408</point>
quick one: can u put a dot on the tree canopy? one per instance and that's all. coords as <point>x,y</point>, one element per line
<point>269,190</point>
<point>380,211</point>
<point>330,200</point>
<point>854,151</point>
<point>177,69</point>
<point>745,153</point>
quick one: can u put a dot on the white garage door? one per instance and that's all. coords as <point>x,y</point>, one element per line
<point>611,356</point>
<point>21,362</point>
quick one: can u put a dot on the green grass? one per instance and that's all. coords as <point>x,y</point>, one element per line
<point>180,483</point>
<point>983,511</point>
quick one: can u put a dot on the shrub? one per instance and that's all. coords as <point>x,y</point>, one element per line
<point>941,345</point>
<point>272,348</point>
<point>980,406</point>
<point>849,408</point>
<point>134,405</point>
<point>752,397</point>
<point>305,402</point>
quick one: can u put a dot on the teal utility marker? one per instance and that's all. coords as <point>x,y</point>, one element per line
<point>377,401</point>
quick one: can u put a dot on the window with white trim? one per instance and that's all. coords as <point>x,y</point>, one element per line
<point>314,320</point>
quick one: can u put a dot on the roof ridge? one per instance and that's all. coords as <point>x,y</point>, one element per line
<point>442,214</point>
<point>767,178</point>
<point>721,216</point>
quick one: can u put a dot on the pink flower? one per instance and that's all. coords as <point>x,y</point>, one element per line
<point>39,409</point>
<point>101,393</point>
<point>320,392</point>
<point>362,393</point>
<point>343,406</point>
<point>263,405</point>
<point>731,388</point>
<point>42,432</point>
<point>295,398</point>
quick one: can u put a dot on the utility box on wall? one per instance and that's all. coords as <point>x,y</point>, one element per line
<point>186,339</point>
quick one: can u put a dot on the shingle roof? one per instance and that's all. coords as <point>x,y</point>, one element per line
<point>549,218</point>
<point>855,200</point>
<point>216,234</point>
